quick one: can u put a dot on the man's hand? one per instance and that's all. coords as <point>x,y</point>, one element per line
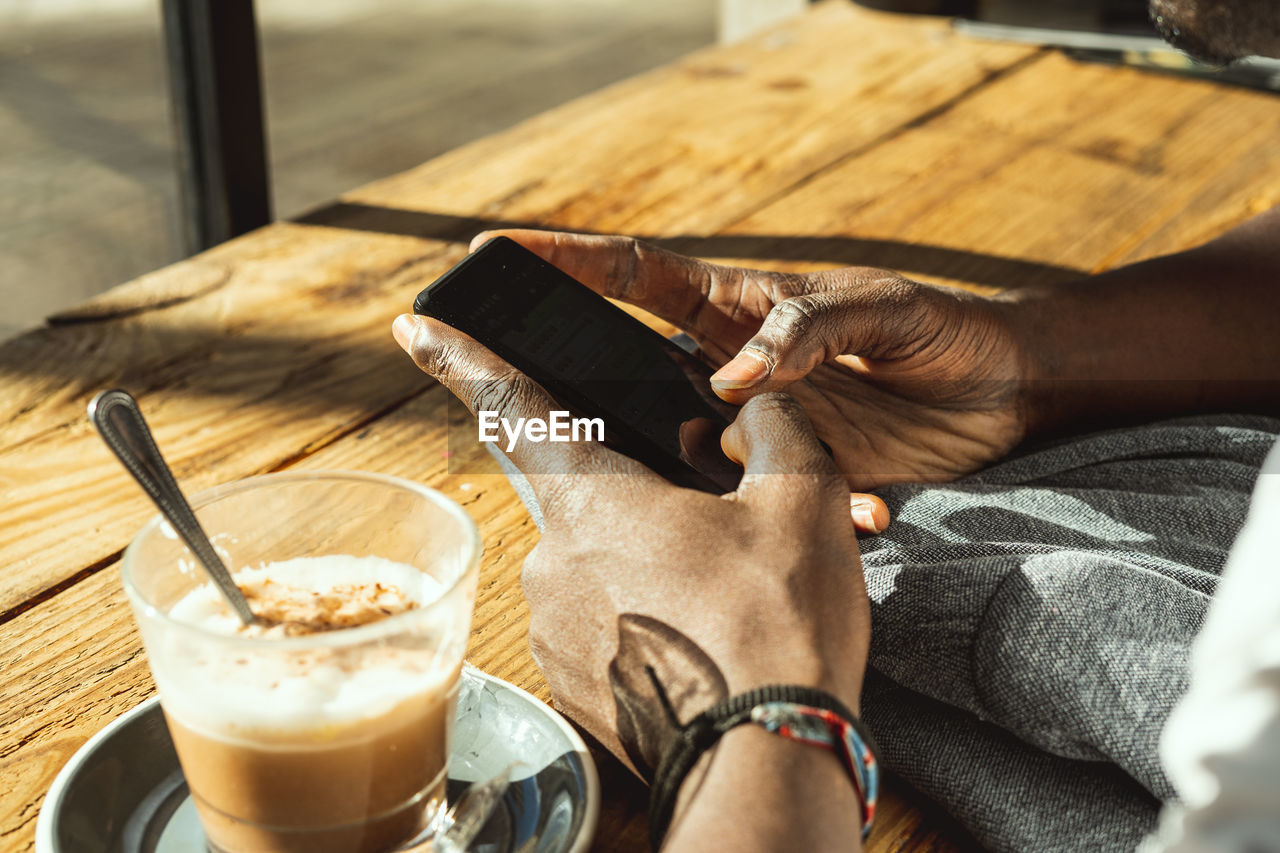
<point>644,594</point>
<point>905,381</point>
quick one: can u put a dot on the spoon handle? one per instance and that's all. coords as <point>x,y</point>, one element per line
<point>121,425</point>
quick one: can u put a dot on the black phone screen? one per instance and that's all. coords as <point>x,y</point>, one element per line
<point>589,354</point>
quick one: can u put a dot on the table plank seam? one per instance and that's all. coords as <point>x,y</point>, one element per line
<point>89,312</point>
<point>989,79</point>
<point>354,427</point>
<point>61,586</point>
<point>287,462</point>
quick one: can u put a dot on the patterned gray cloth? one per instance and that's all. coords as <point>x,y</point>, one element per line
<point>1031,625</point>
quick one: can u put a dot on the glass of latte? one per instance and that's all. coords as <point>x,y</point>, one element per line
<point>325,727</point>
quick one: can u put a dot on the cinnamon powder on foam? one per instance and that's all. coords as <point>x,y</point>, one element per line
<point>291,611</point>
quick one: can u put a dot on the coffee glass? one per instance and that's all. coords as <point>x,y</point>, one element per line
<point>328,742</point>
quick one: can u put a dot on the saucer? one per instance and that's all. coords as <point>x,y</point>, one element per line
<point>123,791</point>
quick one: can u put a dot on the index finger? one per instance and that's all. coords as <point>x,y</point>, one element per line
<point>507,403</point>
<point>681,290</point>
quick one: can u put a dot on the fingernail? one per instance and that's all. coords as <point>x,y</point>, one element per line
<point>685,433</point>
<point>864,516</point>
<point>685,437</point>
<point>403,329</point>
<point>746,369</point>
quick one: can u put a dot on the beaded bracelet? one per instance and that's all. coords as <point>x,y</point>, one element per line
<point>803,714</point>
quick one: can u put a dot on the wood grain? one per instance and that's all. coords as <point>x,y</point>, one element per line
<point>1016,186</point>
<point>253,354</point>
<point>76,662</point>
<point>848,137</point>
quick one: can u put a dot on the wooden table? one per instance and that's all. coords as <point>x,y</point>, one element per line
<point>844,137</point>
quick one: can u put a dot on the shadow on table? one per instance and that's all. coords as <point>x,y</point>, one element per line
<point>307,371</point>
<point>938,261</point>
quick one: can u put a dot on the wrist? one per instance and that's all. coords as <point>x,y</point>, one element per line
<point>783,745</point>
<point>801,657</point>
<point>1034,319</point>
<point>842,683</point>
<point>759,791</point>
<point>799,648</point>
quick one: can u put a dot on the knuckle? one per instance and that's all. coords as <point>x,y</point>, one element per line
<point>547,566</point>
<point>903,294</point>
<point>538,645</point>
<point>635,252</point>
<point>794,319</point>
<point>894,291</point>
<point>626,254</point>
<point>444,359</point>
<point>530,572</point>
<point>426,354</point>
<point>773,405</point>
<point>635,255</point>
<point>790,441</point>
<point>794,284</point>
<point>500,393</point>
<point>912,309</point>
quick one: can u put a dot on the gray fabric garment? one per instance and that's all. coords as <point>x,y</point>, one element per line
<point>1031,625</point>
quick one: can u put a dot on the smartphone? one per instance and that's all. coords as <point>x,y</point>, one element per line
<point>592,357</point>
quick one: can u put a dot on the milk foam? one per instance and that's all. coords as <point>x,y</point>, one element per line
<point>205,606</point>
<point>274,687</point>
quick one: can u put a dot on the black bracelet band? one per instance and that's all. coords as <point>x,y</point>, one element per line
<point>703,731</point>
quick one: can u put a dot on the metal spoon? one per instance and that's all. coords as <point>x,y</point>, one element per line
<point>121,425</point>
<point>453,830</point>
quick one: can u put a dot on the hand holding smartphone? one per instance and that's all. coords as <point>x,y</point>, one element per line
<point>592,357</point>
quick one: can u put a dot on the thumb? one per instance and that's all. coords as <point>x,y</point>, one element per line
<point>801,333</point>
<point>870,514</point>
<point>783,461</point>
